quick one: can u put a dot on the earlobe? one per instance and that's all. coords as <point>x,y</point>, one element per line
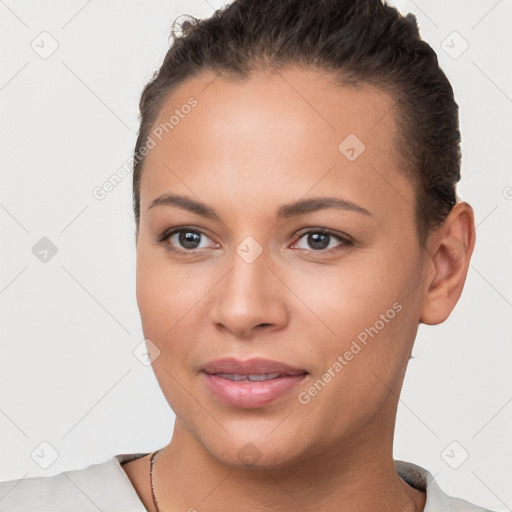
<point>450,249</point>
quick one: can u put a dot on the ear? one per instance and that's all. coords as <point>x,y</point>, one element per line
<point>449,251</point>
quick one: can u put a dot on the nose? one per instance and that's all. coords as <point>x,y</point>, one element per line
<point>250,299</point>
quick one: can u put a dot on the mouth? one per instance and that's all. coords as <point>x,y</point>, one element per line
<point>250,378</point>
<point>250,384</point>
<point>255,367</point>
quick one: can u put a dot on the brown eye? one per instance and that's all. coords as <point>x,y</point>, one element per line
<point>182,240</point>
<point>318,241</point>
<point>189,239</point>
<point>324,241</point>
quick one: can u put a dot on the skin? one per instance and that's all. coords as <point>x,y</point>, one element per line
<point>248,148</point>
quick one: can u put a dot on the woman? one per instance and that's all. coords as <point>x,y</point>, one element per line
<point>296,219</point>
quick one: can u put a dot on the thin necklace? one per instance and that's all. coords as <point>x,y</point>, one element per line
<point>151,478</point>
<point>152,463</point>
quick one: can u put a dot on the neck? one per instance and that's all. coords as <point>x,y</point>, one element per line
<point>361,473</point>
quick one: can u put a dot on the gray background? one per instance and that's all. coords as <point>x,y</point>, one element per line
<point>70,324</point>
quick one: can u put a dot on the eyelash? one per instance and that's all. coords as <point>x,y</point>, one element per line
<point>345,240</point>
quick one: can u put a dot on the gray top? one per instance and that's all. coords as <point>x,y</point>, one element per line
<point>106,487</point>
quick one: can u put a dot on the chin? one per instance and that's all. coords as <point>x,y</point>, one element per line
<point>257,453</point>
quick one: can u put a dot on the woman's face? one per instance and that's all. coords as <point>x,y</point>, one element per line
<point>259,269</point>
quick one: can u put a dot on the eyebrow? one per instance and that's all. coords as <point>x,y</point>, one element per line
<point>314,204</point>
<point>300,207</point>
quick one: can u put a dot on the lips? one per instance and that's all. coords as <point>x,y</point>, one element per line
<point>250,384</point>
<point>255,366</point>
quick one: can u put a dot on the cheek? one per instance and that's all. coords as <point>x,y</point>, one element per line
<point>166,306</point>
<point>165,293</point>
<point>149,288</point>
<point>363,316</point>
<point>344,299</point>
<point>358,365</point>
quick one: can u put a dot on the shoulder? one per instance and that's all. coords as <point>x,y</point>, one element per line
<point>437,499</point>
<point>103,486</point>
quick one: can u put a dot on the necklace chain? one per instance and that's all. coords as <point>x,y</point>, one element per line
<point>155,501</point>
<point>151,478</point>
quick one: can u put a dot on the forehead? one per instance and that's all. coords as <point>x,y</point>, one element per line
<point>292,128</point>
